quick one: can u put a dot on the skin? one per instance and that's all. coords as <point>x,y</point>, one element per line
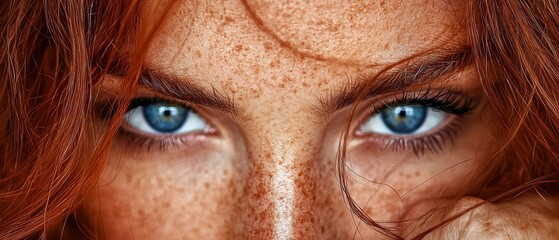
<point>269,170</point>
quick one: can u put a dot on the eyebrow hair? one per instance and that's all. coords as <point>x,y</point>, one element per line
<point>420,70</point>
<point>183,88</point>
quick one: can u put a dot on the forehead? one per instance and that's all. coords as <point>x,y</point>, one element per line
<point>355,31</point>
<point>259,47</point>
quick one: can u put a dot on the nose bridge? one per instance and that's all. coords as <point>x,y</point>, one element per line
<point>280,154</point>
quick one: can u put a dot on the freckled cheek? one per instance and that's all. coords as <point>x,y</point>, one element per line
<point>385,184</point>
<point>169,197</point>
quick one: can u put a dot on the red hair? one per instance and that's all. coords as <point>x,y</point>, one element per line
<point>51,58</point>
<point>514,46</point>
<point>52,55</point>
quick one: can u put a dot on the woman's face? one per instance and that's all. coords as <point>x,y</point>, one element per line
<point>236,126</point>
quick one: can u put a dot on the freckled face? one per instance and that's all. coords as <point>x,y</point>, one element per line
<point>268,170</point>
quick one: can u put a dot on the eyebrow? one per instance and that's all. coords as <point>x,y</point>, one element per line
<point>183,88</point>
<point>422,70</point>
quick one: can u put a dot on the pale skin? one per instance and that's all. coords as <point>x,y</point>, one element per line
<point>268,169</point>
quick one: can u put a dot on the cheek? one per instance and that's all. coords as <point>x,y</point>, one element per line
<point>168,197</point>
<point>385,193</point>
<point>387,184</point>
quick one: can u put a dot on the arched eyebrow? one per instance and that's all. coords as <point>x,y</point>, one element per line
<point>183,88</point>
<point>186,89</point>
<point>423,70</point>
<point>419,71</point>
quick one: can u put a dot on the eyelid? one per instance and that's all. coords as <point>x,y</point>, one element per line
<point>108,106</point>
<point>198,110</point>
<point>459,104</point>
<point>376,104</point>
<point>127,125</point>
<point>420,132</point>
<point>136,140</point>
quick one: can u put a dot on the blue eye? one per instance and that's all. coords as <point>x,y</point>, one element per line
<point>404,120</point>
<point>160,117</point>
<point>165,117</point>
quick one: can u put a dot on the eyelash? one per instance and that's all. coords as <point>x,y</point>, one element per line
<point>160,143</point>
<point>442,99</point>
<point>445,100</point>
<point>135,141</point>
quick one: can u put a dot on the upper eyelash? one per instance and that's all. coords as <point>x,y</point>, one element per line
<point>440,99</point>
<point>142,101</point>
<point>108,109</point>
<point>445,100</point>
<point>134,140</point>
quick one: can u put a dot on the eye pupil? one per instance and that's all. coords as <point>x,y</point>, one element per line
<point>402,114</point>
<point>165,117</point>
<point>404,119</point>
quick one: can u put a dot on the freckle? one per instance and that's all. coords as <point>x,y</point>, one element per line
<point>206,185</point>
<point>166,205</point>
<point>488,226</point>
<point>255,92</point>
<point>198,54</point>
<point>417,174</point>
<point>288,80</point>
<point>239,47</point>
<point>228,20</point>
<point>275,63</point>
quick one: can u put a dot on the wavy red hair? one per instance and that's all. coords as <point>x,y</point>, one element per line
<point>53,54</point>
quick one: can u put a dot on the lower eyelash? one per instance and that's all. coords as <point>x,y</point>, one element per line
<point>434,143</point>
<point>134,141</point>
<point>446,100</point>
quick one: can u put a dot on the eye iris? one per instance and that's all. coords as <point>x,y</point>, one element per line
<point>165,117</point>
<point>404,118</point>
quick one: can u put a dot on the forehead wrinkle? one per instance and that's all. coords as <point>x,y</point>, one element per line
<point>295,50</point>
<point>353,34</point>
